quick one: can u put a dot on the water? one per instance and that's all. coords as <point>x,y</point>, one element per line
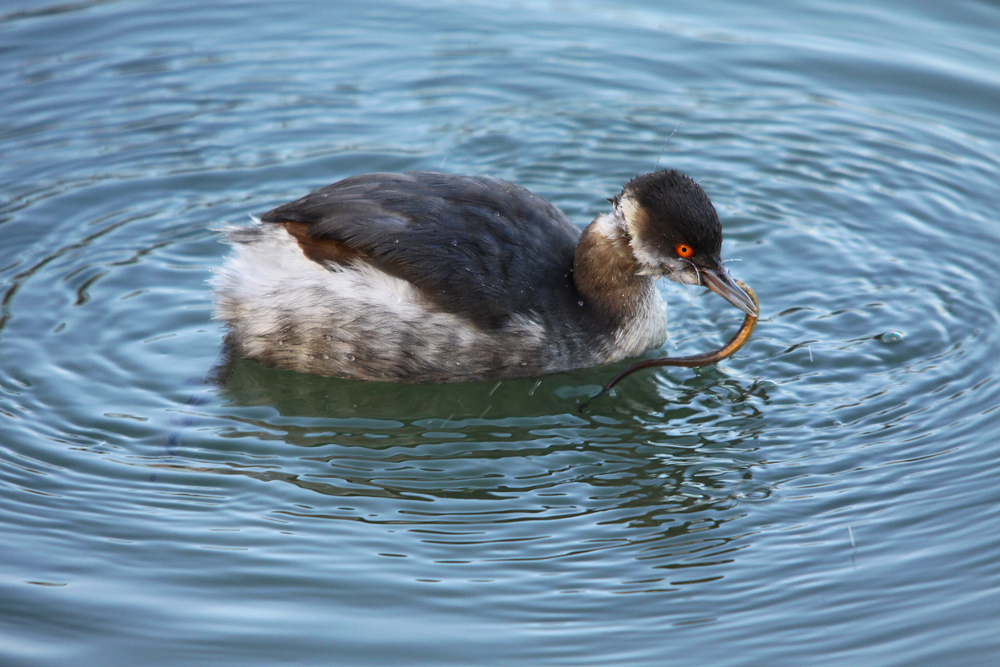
<point>826,497</point>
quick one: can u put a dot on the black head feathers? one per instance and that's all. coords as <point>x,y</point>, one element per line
<point>674,210</point>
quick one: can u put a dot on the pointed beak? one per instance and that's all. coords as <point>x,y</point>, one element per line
<point>720,282</point>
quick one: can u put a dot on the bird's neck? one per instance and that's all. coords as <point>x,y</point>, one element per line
<point>606,275</point>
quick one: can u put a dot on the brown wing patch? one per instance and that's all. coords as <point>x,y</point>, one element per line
<point>321,250</point>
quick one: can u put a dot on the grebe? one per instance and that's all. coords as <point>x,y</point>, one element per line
<point>428,277</point>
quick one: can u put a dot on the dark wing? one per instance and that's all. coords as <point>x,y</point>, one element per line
<point>474,245</point>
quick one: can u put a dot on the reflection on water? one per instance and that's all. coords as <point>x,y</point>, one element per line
<point>549,483</point>
<point>456,485</point>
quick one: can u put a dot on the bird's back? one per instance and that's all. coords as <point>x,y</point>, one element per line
<point>475,246</point>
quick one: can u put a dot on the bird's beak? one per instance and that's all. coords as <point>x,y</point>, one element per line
<point>720,282</point>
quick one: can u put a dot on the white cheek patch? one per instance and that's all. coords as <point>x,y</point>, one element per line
<point>652,261</point>
<point>645,254</point>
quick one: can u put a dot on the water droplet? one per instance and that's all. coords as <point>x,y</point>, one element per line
<point>580,303</point>
<point>455,243</point>
<point>350,357</point>
<point>328,336</point>
<point>326,356</point>
<point>891,336</point>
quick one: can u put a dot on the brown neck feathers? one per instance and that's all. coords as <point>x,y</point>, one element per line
<point>605,271</point>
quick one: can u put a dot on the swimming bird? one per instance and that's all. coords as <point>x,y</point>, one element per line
<point>429,277</point>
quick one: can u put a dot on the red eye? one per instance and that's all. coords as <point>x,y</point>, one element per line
<point>684,250</point>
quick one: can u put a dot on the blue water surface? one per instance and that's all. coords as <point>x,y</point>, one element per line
<point>828,497</point>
